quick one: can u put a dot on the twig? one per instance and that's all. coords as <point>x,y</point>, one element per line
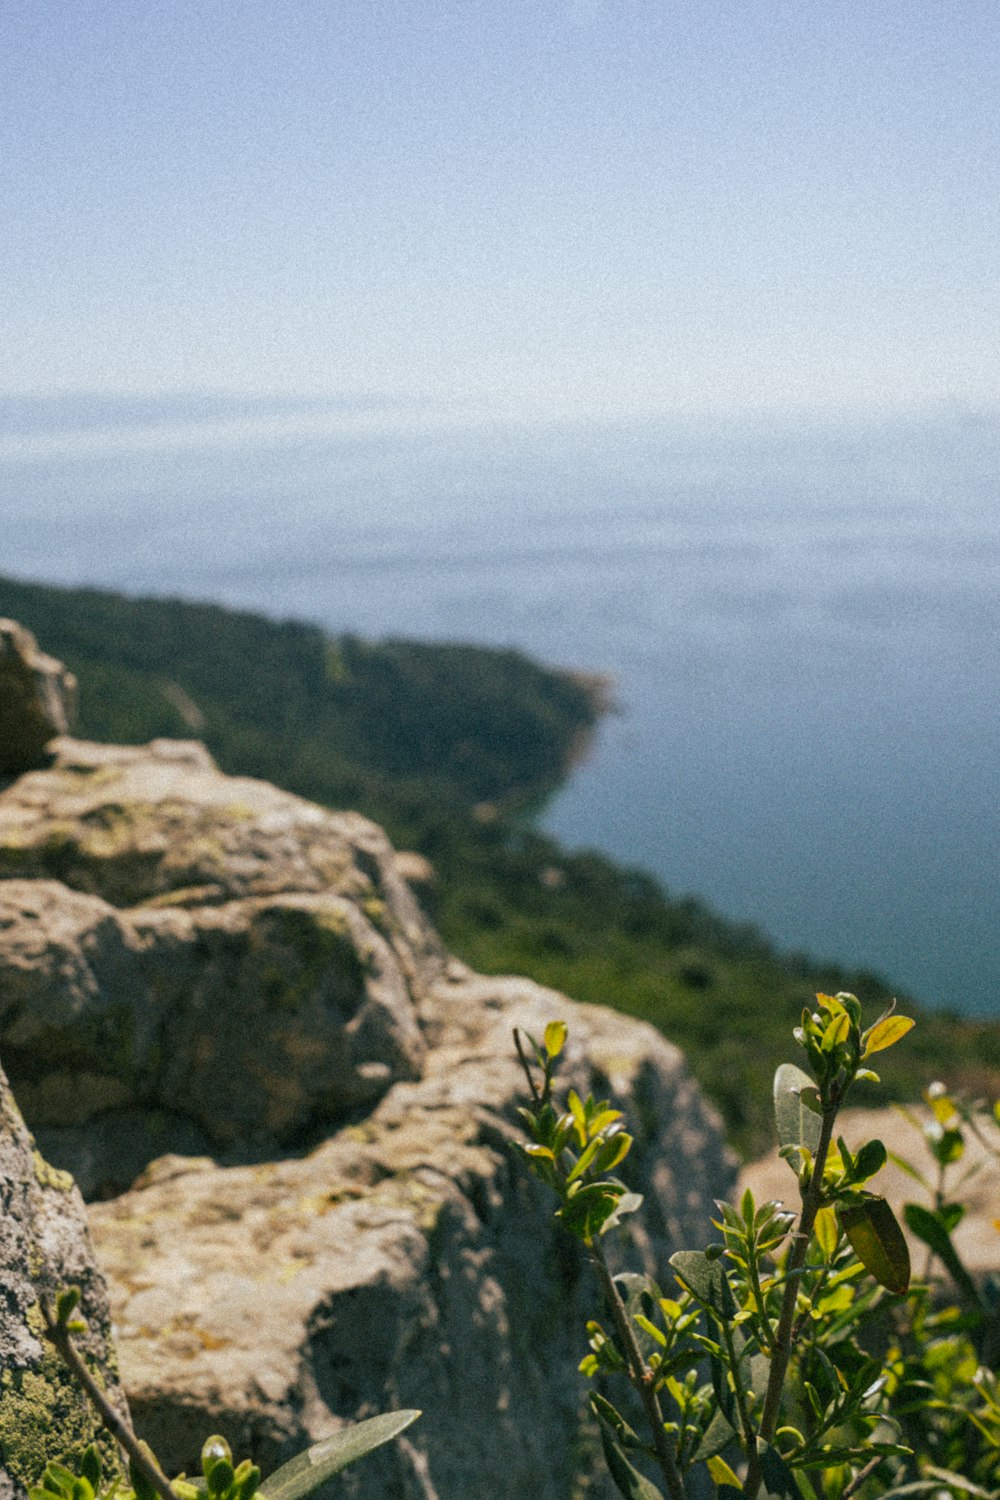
<point>811,1201</point>
<point>861,1476</point>
<point>641,1375</point>
<point>116,1424</point>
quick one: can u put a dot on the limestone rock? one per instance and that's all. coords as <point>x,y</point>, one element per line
<point>408,1261</point>
<point>253,937</point>
<point>207,967</point>
<point>44,1246</point>
<point>37,696</point>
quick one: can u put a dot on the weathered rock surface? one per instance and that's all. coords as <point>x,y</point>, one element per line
<point>252,936</point>
<point>408,1261</point>
<point>37,697</point>
<point>44,1246</point>
<point>206,966</point>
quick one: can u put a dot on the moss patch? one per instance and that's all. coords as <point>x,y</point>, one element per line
<point>43,1416</point>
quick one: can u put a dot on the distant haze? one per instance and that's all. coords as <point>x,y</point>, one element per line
<point>801,619</point>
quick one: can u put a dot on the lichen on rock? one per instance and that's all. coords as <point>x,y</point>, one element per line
<point>45,1245</point>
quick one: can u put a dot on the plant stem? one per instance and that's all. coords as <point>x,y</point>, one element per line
<point>116,1424</point>
<point>812,1198</point>
<point>641,1375</point>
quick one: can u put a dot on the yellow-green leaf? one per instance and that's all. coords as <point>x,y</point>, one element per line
<point>721,1472</point>
<point>826,1231</point>
<point>555,1037</point>
<point>886,1034</point>
<point>878,1242</point>
<point>837,1031</point>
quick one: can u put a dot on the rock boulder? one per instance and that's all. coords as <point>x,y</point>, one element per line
<point>408,1261</point>
<point>233,993</point>
<point>44,1246</point>
<point>165,929</point>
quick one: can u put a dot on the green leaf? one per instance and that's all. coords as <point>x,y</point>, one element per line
<point>885,1033</point>
<point>717,1435</point>
<point>143,1489</point>
<point>778,1478</point>
<point>629,1482</point>
<point>90,1467</point>
<point>625,1434</point>
<point>796,1123</point>
<point>826,1232</point>
<point>586,1212</point>
<point>705,1278</point>
<point>878,1242</point>
<point>312,1468</point>
<point>555,1038</point>
<point>870,1159</point>
<point>927,1226</point>
<point>722,1475</point>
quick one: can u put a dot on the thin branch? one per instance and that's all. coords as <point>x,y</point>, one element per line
<point>811,1200</point>
<point>861,1476</point>
<point>640,1373</point>
<point>536,1096</point>
<point>116,1424</point>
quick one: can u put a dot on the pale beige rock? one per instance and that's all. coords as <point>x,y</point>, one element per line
<point>217,928</point>
<point>408,1261</point>
<point>44,1246</point>
<point>201,964</point>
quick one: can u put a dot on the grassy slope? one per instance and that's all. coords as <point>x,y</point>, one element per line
<point>420,738</point>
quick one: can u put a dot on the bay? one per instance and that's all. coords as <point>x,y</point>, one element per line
<point>801,623</point>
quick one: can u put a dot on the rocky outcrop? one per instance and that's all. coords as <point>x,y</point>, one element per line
<point>408,1261</point>
<point>44,1246</point>
<point>37,697</point>
<point>217,985</point>
<point>215,928</point>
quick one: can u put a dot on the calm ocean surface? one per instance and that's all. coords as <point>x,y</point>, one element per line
<point>802,625</point>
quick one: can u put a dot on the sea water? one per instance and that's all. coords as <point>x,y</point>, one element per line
<point>801,624</point>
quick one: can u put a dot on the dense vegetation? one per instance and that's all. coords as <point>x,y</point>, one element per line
<point>452,748</point>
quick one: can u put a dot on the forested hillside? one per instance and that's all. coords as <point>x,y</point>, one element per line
<point>451,748</point>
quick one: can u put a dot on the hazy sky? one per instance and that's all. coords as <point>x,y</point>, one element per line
<point>585,207</point>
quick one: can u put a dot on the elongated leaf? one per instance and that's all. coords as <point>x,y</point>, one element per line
<point>779,1481</point>
<point>878,1242</point>
<point>826,1231</point>
<point>317,1464</point>
<point>797,1125</point>
<point>630,1483</point>
<point>626,1435</point>
<point>722,1475</point>
<point>929,1228</point>
<point>705,1279</point>
<point>886,1033</point>
<point>717,1435</point>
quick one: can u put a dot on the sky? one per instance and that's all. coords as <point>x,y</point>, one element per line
<point>609,209</point>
